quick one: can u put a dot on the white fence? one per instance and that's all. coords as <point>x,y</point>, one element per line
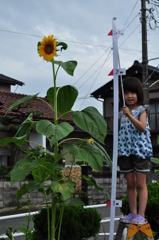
<point>33,213</point>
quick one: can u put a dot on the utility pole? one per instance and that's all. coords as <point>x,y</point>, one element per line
<point>144,51</point>
<point>145,65</point>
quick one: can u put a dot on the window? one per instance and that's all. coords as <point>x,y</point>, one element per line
<point>154,116</point>
<point>3,160</point>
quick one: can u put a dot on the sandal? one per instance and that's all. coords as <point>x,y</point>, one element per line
<point>139,220</point>
<point>127,219</point>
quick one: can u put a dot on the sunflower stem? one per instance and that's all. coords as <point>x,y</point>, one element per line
<point>53,222</point>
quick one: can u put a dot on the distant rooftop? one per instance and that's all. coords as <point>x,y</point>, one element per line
<point>34,105</point>
<point>11,81</point>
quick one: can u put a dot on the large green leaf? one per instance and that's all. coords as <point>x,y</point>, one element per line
<point>158,139</point>
<point>53,132</point>
<point>32,186</point>
<point>89,153</point>
<point>155,160</point>
<point>65,99</point>
<point>92,122</point>
<point>20,170</point>
<point>27,188</point>
<point>19,141</point>
<point>107,158</point>
<point>22,133</point>
<point>22,191</point>
<point>69,66</point>
<point>66,188</point>
<point>91,181</point>
<point>25,127</point>
<point>43,171</point>
<point>21,101</point>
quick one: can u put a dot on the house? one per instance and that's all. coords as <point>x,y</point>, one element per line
<point>106,93</point>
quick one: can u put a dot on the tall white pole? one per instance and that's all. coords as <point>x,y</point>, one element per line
<point>116,73</point>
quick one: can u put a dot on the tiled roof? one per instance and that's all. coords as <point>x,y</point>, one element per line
<point>9,80</point>
<point>36,106</point>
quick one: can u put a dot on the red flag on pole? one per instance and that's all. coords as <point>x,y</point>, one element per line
<point>110,33</point>
<point>111,73</point>
<point>108,203</point>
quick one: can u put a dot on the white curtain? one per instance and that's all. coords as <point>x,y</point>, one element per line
<point>3,160</point>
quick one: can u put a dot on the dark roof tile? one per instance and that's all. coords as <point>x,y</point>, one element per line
<point>12,81</point>
<point>34,105</point>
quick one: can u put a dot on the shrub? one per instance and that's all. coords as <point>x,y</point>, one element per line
<point>3,169</point>
<point>77,223</point>
<point>152,208</point>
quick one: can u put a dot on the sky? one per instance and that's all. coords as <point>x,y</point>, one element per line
<point>82,24</point>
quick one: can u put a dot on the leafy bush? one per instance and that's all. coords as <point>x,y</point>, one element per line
<point>77,223</point>
<point>152,208</point>
<point>3,169</point>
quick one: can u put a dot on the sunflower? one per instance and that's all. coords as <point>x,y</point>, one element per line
<point>90,140</point>
<point>47,48</point>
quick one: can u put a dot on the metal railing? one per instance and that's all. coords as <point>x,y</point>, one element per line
<point>33,213</point>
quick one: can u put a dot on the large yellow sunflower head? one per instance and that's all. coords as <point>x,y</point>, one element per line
<point>47,48</point>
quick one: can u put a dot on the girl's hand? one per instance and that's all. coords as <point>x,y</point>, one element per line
<point>126,111</point>
<point>139,124</point>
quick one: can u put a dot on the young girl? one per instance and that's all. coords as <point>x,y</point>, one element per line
<point>134,147</point>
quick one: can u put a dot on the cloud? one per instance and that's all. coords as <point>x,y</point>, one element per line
<point>84,26</point>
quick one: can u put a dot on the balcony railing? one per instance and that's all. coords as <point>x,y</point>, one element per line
<point>154,121</point>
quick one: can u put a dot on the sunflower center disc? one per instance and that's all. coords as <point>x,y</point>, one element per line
<point>48,48</point>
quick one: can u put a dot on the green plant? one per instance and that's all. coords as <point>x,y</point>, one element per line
<point>152,208</point>
<point>3,169</point>
<point>156,160</point>
<point>26,227</point>
<point>44,164</point>
<point>78,223</point>
<point>9,233</point>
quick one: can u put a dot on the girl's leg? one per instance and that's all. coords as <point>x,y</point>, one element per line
<point>131,188</point>
<point>143,194</point>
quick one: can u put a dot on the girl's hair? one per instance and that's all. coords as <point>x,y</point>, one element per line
<point>133,84</point>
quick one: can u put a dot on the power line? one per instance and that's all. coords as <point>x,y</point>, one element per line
<point>107,59</point>
<point>130,14</point>
<point>32,35</point>
<point>129,36</point>
<point>94,72</point>
<point>131,21</point>
<point>96,78</point>
<point>92,65</point>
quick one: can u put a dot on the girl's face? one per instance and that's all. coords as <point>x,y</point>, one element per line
<point>131,98</point>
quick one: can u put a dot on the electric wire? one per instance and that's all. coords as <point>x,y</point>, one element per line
<point>87,44</point>
<point>130,15</point>
<point>106,51</point>
<point>131,21</point>
<point>91,66</point>
<point>129,35</point>
<point>97,45</point>
<point>33,35</point>
<point>95,78</point>
<point>108,58</point>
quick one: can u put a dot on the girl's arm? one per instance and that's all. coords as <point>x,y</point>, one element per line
<point>139,124</point>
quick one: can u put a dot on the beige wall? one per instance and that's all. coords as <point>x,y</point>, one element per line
<point>5,87</point>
